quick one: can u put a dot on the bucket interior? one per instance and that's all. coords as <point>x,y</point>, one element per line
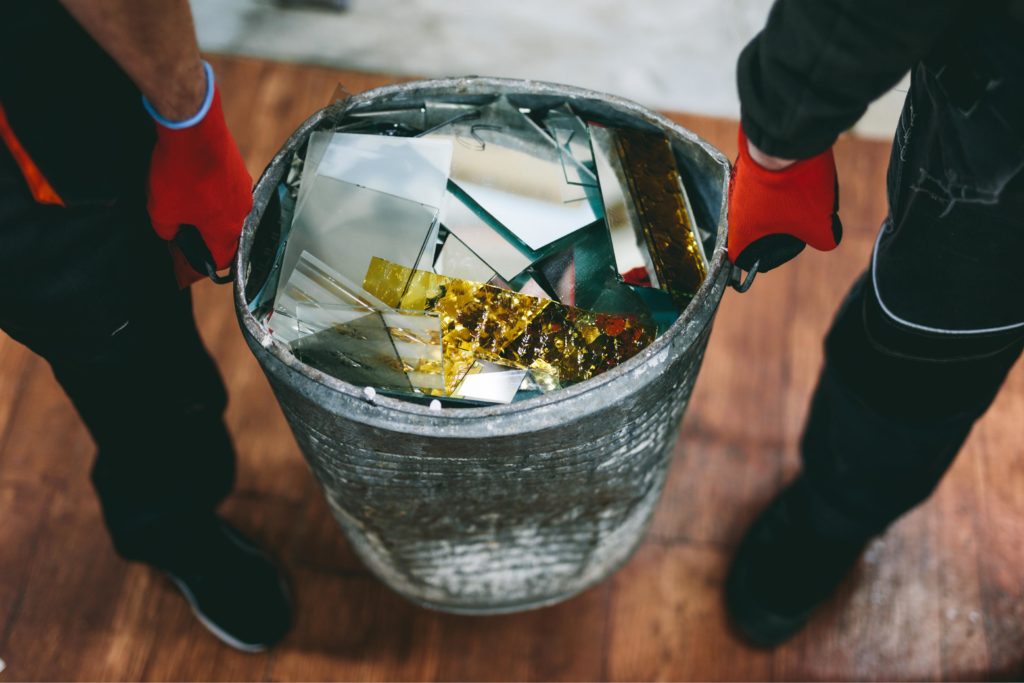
<point>702,171</point>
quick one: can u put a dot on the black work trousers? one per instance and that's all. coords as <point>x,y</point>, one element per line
<point>926,337</point>
<point>91,289</point>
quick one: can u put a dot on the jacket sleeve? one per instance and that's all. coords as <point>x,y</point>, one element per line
<point>816,66</point>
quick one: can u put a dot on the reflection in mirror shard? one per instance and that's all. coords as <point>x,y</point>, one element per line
<point>457,260</point>
<point>628,243</point>
<point>415,169</point>
<point>650,169</point>
<point>473,230</point>
<point>410,340</point>
<point>490,382</point>
<point>573,139</point>
<point>337,216</point>
<point>358,351</point>
<point>509,327</point>
<point>514,172</point>
<point>313,281</point>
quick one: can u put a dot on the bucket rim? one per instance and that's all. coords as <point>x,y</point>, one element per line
<point>688,327</point>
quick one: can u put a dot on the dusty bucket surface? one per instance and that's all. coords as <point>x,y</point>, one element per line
<point>499,508</point>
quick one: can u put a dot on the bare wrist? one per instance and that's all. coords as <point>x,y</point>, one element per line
<point>767,161</point>
<point>182,94</point>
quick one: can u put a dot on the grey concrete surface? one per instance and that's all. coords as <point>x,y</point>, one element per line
<point>666,54</point>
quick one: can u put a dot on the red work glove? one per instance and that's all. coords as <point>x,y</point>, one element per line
<point>199,189</point>
<point>774,214</point>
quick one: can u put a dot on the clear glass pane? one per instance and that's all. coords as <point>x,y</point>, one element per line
<point>343,226</point>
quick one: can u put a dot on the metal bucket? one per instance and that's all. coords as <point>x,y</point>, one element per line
<point>498,509</point>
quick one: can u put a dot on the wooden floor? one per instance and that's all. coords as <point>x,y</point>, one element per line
<point>939,597</point>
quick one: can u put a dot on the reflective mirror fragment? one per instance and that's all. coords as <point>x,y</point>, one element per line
<point>514,172</point>
<point>338,215</point>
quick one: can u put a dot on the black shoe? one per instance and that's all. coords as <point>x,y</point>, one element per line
<point>785,567</point>
<point>233,587</point>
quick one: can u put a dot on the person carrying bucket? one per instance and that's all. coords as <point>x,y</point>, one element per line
<point>925,337</point>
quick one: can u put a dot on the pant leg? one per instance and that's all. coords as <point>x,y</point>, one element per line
<point>924,340</point>
<point>91,289</point>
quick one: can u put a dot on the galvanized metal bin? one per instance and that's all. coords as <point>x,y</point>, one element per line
<point>497,509</point>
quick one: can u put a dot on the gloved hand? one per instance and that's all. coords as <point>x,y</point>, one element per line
<point>774,214</point>
<point>199,189</point>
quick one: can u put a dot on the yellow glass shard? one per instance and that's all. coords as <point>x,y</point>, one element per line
<point>480,321</point>
<point>657,188</point>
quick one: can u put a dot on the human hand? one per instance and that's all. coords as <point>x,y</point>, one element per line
<point>777,207</point>
<point>198,186</point>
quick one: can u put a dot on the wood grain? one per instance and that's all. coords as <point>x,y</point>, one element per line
<point>941,596</point>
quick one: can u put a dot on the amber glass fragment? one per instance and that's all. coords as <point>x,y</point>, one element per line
<point>480,321</point>
<point>650,169</point>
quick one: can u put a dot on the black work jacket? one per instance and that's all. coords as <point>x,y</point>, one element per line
<point>813,70</point>
<point>71,107</point>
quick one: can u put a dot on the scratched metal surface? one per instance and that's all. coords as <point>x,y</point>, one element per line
<point>502,508</point>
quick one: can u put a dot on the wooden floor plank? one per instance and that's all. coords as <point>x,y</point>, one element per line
<point>685,637</point>
<point>940,596</point>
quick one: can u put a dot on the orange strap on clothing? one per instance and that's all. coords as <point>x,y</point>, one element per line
<point>40,187</point>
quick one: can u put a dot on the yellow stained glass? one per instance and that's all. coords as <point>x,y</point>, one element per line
<point>480,321</point>
<point>655,184</point>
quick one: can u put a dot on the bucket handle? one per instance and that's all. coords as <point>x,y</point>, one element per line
<point>190,243</point>
<point>742,284</point>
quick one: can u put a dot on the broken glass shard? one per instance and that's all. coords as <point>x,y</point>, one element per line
<point>511,169</point>
<point>628,243</point>
<point>411,168</point>
<point>355,347</point>
<point>493,324</point>
<point>480,235</point>
<point>414,118</point>
<point>457,260</point>
<point>314,282</point>
<point>409,340</point>
<point>664,211</point>
<point>342,225</point>
<point>573,139</point>
<point>491,382</point>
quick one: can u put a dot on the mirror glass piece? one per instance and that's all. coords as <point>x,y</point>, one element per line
<point>573,139</point>
<point>662,307</point>
<point>559,270</point>
<point>354,346</point>
<point>510,327</point>
<point>412,339</point>
<point>457,260</point>
<point>343,225</point>
<point>314,282</point>
<point>315,148</point>
<point>443,113</point>
<point>411,168</point>
<point>628,243</point>
<point>490,382</point>
<point>478,234</point>
<point>415,118</point>
<point>514,172</point>
<point>664,211</point>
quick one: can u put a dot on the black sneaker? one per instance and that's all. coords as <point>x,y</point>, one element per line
<point>784,568</point>
<point>234,589</point>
